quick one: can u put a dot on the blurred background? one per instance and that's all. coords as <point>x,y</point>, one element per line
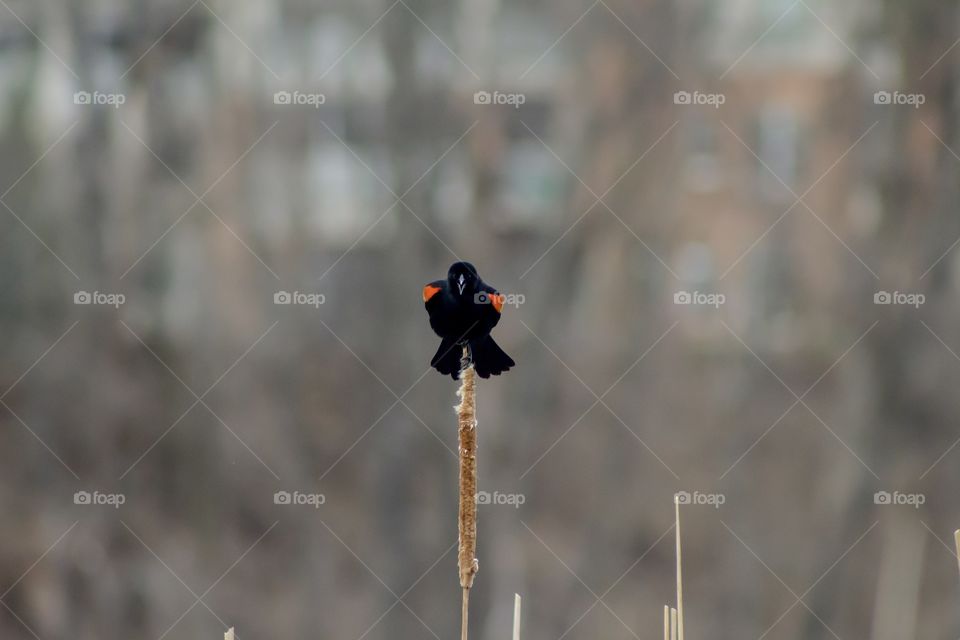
<point>729,230</point>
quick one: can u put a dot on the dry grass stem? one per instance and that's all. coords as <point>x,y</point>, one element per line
<point>673,618</point>
<point>676,506</point>
<point>956,537</point>
<point>516,616</point>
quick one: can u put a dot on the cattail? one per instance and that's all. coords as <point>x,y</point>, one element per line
<point>467,423</point>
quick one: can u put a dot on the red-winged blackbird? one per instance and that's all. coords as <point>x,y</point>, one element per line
<point>463,310</point>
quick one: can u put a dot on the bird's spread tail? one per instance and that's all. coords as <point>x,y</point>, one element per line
<point>447,358</point>
<point>488,358</point>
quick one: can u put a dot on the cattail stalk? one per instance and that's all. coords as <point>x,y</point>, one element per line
<point>467,428</point>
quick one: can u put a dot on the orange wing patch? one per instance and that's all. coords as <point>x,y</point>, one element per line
<point>429,291</point>
<point>496,299</point>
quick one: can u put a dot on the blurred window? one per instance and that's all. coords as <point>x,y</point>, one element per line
<point>778,147</point>
<point>531,180</point>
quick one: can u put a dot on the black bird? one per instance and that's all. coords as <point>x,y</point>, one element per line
<point>463,310</point>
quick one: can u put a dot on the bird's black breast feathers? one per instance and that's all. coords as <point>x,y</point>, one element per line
<point>461,318</point>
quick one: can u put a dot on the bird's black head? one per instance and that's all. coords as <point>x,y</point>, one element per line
<point>462,279</point>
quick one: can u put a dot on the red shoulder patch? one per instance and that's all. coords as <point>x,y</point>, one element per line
<point>429,291</point>
<point>496,299</point>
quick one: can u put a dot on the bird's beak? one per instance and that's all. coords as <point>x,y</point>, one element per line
<point>460,284</point>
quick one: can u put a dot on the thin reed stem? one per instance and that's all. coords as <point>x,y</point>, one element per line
<point>676,505</point>
<point>516,616</point>
<point>464,613</point>
<point>956,536</point>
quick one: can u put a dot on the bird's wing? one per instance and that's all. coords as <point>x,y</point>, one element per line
<point>495,298</point>
<point>431,290</point>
